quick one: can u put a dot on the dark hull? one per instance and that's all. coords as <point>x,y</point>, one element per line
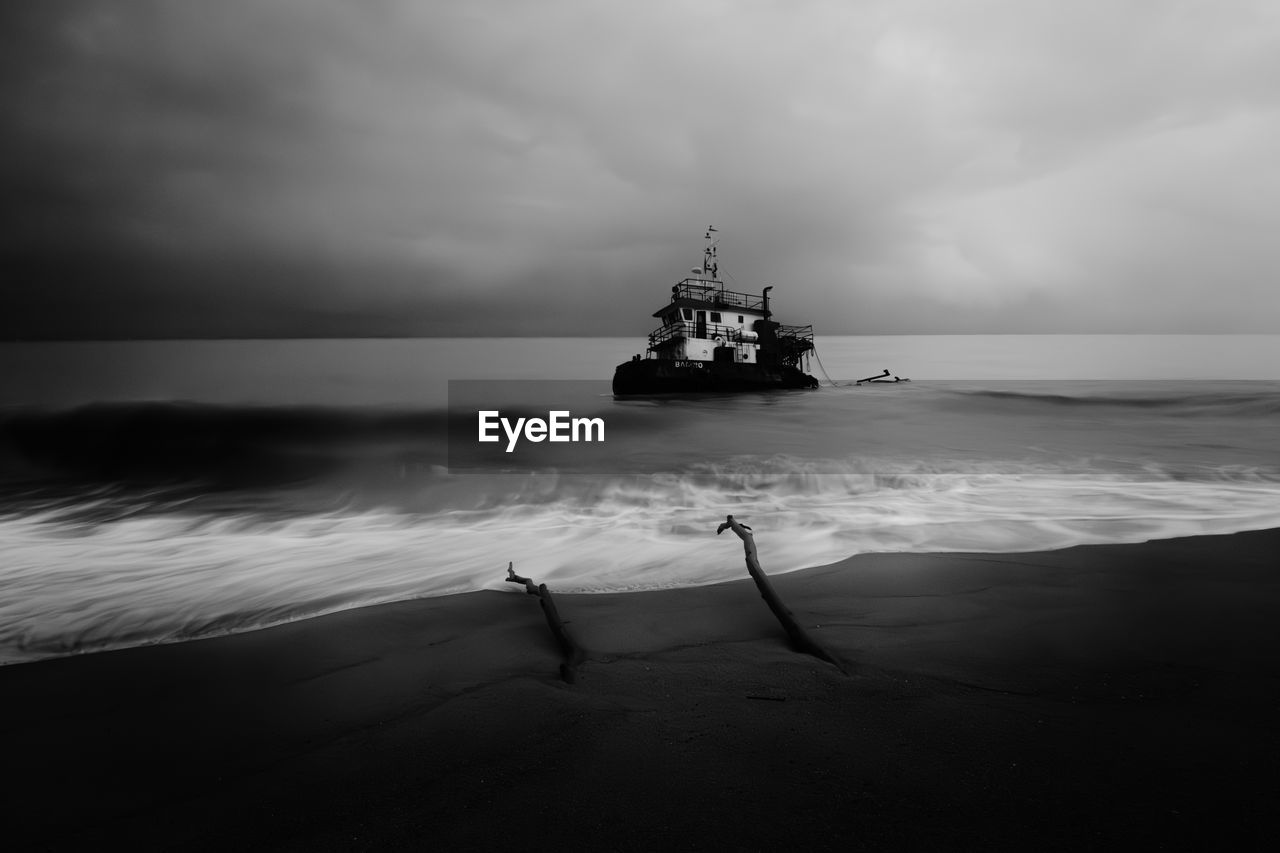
<point>666,376</point>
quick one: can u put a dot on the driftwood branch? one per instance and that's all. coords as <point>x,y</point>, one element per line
<point>570,650</point>
<point>800,639</point>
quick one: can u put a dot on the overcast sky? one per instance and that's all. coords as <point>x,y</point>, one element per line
<point>406,167</point>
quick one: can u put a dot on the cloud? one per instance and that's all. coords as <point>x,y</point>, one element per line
<point>496,167</point>
<point>1159,232</point>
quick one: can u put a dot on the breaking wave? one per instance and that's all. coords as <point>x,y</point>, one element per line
<point>1227,403</point>
<point>76,582</point>
<point>130,523</point>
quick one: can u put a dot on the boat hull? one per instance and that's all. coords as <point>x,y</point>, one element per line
<point>669,376</point>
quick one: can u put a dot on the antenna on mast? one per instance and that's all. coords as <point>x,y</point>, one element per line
<point>709,262</point>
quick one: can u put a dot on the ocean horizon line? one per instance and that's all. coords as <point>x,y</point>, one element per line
<point>464,336</point>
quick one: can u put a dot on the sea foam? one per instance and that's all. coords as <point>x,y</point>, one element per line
<point>75,585</point>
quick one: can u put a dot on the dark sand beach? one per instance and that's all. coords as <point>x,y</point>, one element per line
<point>1089,698</point>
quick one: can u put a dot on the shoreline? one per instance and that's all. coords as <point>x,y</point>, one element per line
<point>1096,694</point>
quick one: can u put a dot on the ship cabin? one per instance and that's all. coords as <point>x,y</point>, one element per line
<point>706,322</point>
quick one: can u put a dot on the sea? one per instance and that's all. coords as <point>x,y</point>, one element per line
<point>164,491</point>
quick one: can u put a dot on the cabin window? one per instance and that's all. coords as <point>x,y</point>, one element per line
<point>715,316</point>
<point>739,318</point>
<point>688,313</point>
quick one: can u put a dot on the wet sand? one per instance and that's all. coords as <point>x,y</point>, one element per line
<point>1076,699</point>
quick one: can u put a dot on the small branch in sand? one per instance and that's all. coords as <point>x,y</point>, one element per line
<point>800,640</point>
<point>572,652</point>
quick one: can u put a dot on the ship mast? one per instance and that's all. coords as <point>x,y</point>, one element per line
<point>710,265</point>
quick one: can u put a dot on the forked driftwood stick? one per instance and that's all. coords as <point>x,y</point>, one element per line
<point>570,650</point>
<point>800,640</point>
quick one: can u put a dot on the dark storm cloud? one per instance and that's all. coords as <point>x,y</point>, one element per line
<point>401,168</point>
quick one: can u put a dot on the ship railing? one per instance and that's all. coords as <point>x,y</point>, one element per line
<point>664,334</point>
<point>713,293</point>
<point>688,329</point>
<point>802,334</point>
<point>794,342</point>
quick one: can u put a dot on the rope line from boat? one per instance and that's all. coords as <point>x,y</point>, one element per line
<point>822,367</point>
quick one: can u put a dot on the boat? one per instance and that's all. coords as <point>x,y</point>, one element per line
<point>713,339</point>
